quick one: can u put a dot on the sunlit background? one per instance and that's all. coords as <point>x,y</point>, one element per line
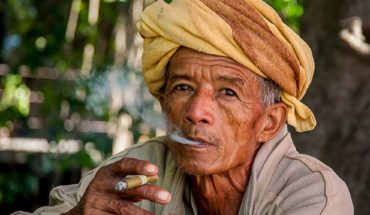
<point>71,91</point>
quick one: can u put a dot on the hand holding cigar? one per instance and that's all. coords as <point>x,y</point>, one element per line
<point>117,187</point>
<point>129,183</point>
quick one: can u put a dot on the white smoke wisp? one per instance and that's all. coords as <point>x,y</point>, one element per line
<point>124,89</point>
<point>179,139</point>
<point>176,135</point>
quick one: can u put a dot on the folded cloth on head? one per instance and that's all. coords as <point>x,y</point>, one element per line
<point>248,31</point>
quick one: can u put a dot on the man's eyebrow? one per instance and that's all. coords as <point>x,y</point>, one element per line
<point>232,80</point>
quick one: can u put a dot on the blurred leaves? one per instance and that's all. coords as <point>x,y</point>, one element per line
<point>16,94</point>
<point>35,36</point>
<point>12,186</point>
<point>290,11</point>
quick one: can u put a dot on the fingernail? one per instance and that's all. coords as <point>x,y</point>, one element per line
<point>163,195</point>
<point>150,168</point>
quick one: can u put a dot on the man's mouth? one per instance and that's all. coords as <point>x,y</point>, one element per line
<point>189,141</point>
<point>199,142</point>
<point>183,140</point>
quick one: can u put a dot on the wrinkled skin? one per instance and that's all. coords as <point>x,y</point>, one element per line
<point>212,100</point>
<point>216,101</point>
<point>101,198</point>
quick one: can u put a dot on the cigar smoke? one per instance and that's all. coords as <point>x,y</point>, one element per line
<point>124,88</point>
<point>175,136</point>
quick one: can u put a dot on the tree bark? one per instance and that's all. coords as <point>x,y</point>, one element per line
<point>2,29</point>
<point>340,93</point>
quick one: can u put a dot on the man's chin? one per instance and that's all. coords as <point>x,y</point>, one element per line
<point>193,162</point>
<point>194,168</point>
<point>193,171</point>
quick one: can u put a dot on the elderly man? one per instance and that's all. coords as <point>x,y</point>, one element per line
<point>229,76</point>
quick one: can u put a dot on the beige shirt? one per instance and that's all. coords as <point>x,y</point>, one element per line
<point>282,181</point>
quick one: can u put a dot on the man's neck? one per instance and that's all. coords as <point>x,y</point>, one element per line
<point>221,193</point>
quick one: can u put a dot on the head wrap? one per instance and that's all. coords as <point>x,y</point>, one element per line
<point>247,31</point>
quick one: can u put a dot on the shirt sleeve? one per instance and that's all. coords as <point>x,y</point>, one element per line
<point>316,190</point>
<point>61,200</point>
<point>338,197</point>
<point>64,198</point>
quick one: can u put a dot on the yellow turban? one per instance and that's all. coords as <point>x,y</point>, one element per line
<point>248,31</point>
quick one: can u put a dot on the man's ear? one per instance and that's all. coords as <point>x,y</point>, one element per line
<point>274,118</point>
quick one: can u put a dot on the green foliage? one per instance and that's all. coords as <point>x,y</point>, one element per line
<point>16,94</point>
<point>290,10</point>
<point>36,36</point>
<point>13,185</point>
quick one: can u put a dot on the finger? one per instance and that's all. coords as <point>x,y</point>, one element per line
<point>150,192</point>
<point>132,166</point>
<point>105,205</point>
<point>97,212</point>
<point>126,208</point>
<point>90,204</point>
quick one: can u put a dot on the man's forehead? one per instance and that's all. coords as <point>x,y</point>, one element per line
<point>185,57</point>
<point>186,53</point>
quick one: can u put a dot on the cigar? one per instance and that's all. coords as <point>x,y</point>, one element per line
<point>135,181</point>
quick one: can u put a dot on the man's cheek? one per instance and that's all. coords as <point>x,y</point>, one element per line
<point>173,111</point>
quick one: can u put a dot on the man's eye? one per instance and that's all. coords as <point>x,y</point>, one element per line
<point>228,92</point>
<point>182,87</point>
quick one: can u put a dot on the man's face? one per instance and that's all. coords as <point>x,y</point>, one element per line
<point>216,101</point>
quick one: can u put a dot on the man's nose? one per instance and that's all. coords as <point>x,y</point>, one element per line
<point>200,108</point>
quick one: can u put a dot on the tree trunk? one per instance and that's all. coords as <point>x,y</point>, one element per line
<point>2,28</point>
<point>338,32</point>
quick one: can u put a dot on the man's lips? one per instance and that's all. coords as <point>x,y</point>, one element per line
<point>197,139</point>
<point>203,142</point>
